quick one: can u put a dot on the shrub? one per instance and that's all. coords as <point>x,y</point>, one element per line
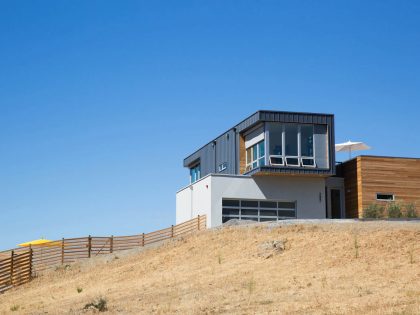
<point>373,211</point>
<point>99,304</point>
<point>394,210</point>
<point>410,210</point>
<point>79,290</point>
<point>14,308</point>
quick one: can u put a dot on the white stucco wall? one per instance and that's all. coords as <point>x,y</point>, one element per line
<point>207,195</point>
<point>194,200</point>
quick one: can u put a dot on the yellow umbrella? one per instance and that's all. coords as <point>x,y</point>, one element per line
<point>40,242</point>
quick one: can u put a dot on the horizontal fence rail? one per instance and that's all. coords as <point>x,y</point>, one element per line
<point>20,265</point>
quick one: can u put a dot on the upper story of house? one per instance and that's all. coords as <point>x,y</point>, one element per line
<point>270,143</point>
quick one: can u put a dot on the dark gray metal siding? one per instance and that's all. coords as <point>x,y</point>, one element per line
<point>226,152</point>
<point>248,122</point>
<point>302,118</point>
<point>221,150</point>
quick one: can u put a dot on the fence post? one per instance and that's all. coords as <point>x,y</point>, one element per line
<point>11,267</point>
<point>62,251</point>
<point>142,240</point>
<point>198,222</point>
<point>172,231</point>
<point>30,262</point>
<point>89,245</point>
<point>111,244</point>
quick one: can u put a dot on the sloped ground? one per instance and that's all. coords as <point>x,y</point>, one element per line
<point>334,268</point>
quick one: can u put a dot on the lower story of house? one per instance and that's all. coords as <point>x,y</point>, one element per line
<point>261,198</point>
<point>359,183</point>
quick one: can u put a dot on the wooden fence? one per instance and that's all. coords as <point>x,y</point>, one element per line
<point>20,265</point>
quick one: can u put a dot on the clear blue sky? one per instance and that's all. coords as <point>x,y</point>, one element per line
<point>101,100</point>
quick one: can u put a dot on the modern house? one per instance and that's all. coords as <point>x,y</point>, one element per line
<point>280,165</point>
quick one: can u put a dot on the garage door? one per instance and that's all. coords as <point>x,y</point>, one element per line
<point>257,210</point>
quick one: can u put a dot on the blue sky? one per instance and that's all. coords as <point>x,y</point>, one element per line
<point>101,100</point>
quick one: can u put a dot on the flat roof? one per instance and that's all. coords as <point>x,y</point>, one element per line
<point>380,157</point>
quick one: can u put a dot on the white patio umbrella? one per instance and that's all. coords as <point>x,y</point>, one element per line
<point>350,146</point>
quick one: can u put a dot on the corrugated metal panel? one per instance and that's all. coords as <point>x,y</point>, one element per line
<point>226,152</point>
<point>287,117</point>
<point>248,122</point>
<point>192,158</point>
<point>222,150</point>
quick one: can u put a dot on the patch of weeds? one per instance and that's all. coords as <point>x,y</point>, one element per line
<point>411,254</point>
<point>250,285</point>
<point>266,302</point>
<point>324,282</point>
<point>79,290</point>
<point>219,259</point>
<point>373,211</point>
<point>116,257</point>
<point>14,308</point>
<point>99,304</point>
<point>394,210</point>
<point>63,267</point>
<point>410,210</point>
<point>356,246</point>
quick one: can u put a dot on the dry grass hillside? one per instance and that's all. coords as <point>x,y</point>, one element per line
<point>330,268</point>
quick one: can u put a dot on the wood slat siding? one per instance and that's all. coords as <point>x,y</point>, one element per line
<point>365,176</point>
<point>398,176</point>
<point>242,154</point>
<point>349,171</point>
<point>18,266</point>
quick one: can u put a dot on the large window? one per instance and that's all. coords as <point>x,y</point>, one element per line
<point>255,155</point>
<point>257,210</point>
<point>292,145</point>
<point>195,173</point>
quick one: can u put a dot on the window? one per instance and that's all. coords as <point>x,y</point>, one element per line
<point>292,145</point>
<point>195,173</point>
<point>385,197</point>
<point>255,155</point>
<point>222,167</point>
<point>257,210</point>
<point>307,140</point>
<point>307,145</point>
<point>291,140</point>
<point>276,145</point>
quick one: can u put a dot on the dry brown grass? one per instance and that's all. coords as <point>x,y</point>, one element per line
<point>220,272</point>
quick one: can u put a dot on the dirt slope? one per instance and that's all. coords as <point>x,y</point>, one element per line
<point>236,270</point>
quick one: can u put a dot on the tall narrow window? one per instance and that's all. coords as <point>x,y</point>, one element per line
<point>307,145</point>
<point>307,140</point>
<point>255,156</point>
<point>195,173</point>
<point>291,140</point>
<point>292,132</point>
